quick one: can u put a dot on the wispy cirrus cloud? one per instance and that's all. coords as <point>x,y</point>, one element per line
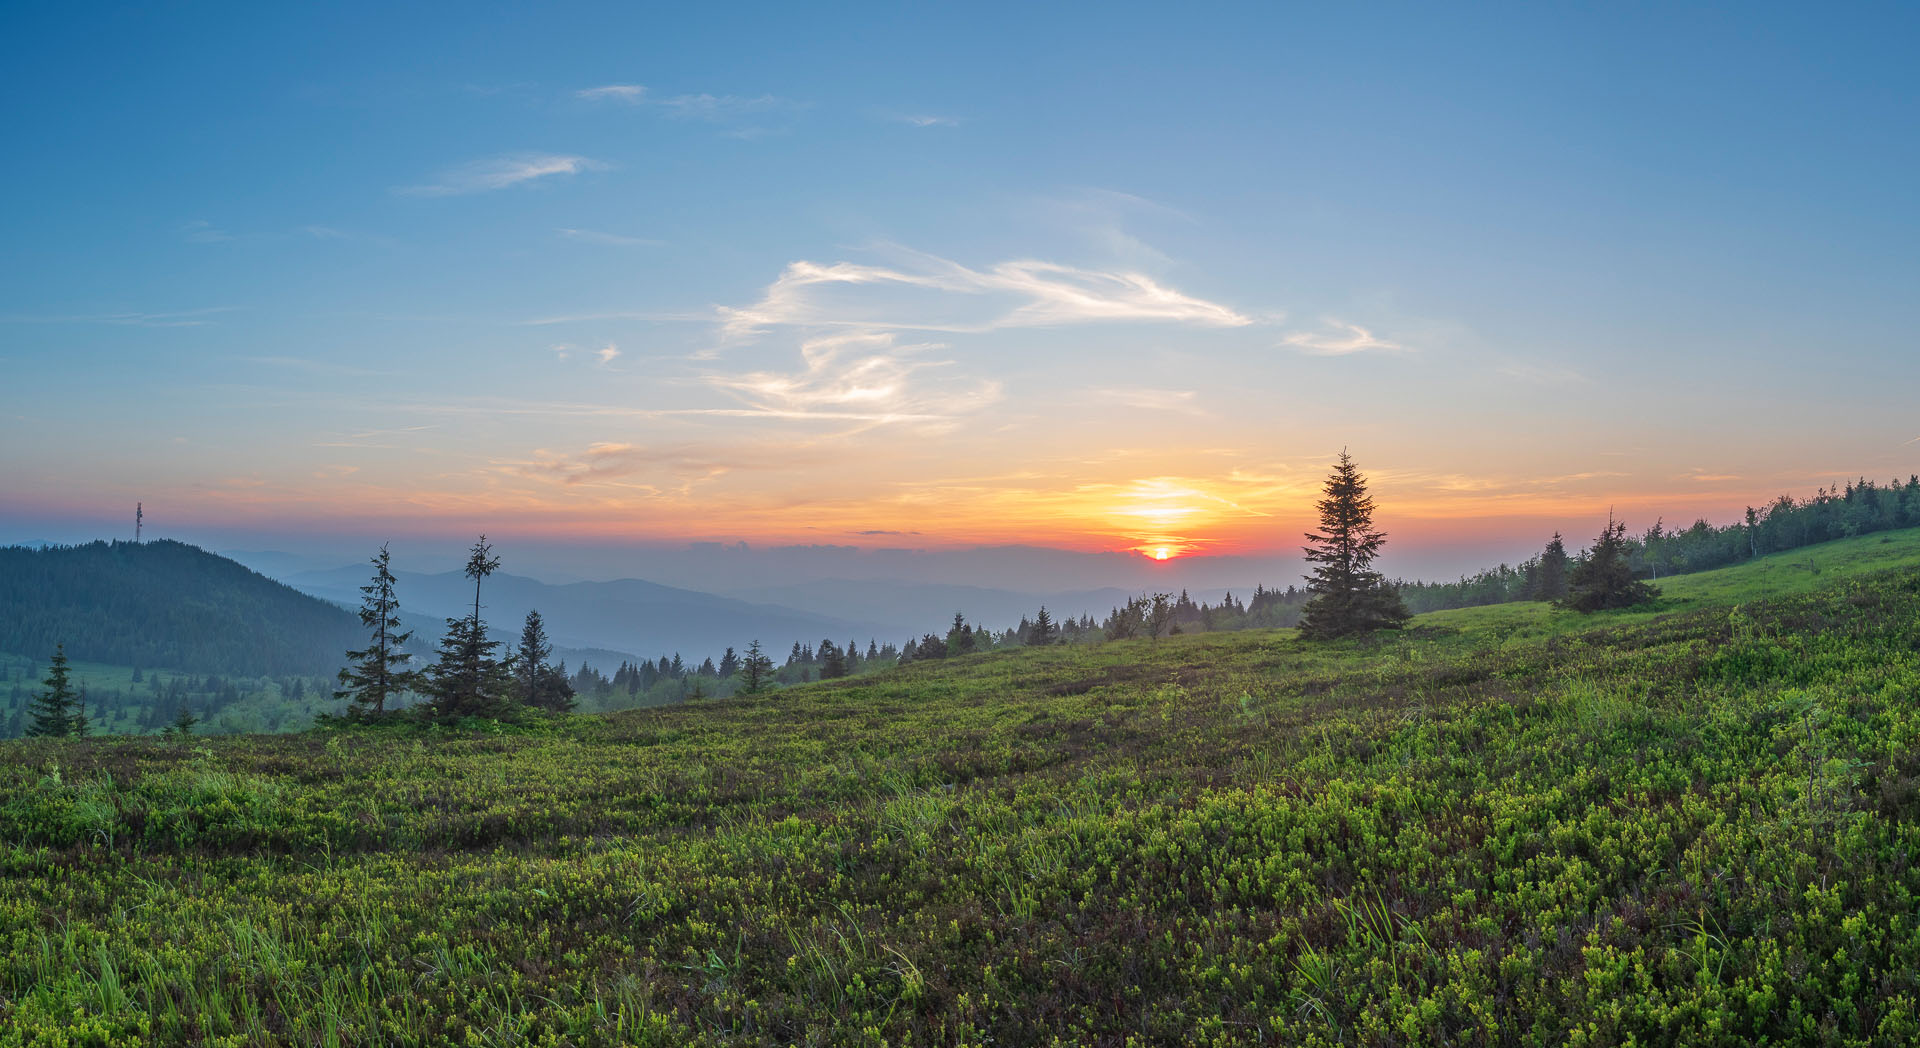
<point>1337,340</point>
<point>333,233</point>
<point>1699,475</point>
<point>593,236</point>
<point>934,294</point>
<point>599,461</point>
<point>927,120</point>
<point>607,353</point>
<point>618,314</point>
<point>864,377</point>
<point>179,318</point>
<point>1181,400</point>
<point>1542,374</point>
<point>312,366</point>
<point>714,108</point>
<point>662,468</point>
<point>501,172</point>
<point>632,94</point>
<point>201,231</point>
<point>373,438</point>
<point>697,105</point>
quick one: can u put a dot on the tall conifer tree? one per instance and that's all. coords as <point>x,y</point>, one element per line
<point>468,681</point>
<point>1348,595</point>
<point>58,712</point>
<point>833,661</point>
<point>379,672</point>
<point>756,670</point>
<point>539,683</point>
<point>1043,631</point>
<point>1553,570</point>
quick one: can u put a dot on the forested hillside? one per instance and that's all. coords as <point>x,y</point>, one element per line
<point>165,604</point>
<point>1688,823</point>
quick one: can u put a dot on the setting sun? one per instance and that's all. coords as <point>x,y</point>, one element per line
<point>1162,553</point>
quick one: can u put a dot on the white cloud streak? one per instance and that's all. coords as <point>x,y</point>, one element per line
<point>201,231</point>
<point>1344,339</point>
<point>860,376</point>
<point>713,108</point>
<point>182,318</point>
<point>1542,375</point>
<point>1017,294</point>
<point>1181,400</point>
<point>591,236</point>
<point>671,467</point>
<point>632,94</point>
<point>501,172</point>
<point>695,105</point>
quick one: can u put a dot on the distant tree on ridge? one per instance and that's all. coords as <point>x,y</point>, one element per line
<point>1552,572</point>
<point>1043,631</point>
<point>756,670</point>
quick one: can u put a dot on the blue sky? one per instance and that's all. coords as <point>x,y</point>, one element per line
<point>1113,277</point>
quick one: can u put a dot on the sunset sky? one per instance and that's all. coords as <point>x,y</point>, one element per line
<point>1105,279</point>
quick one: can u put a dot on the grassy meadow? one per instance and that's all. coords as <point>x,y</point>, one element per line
<point>128,700</point>
<point>1507,825</point>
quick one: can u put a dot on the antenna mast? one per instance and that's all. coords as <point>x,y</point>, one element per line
<point>139,518</point>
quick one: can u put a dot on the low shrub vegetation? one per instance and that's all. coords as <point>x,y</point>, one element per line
<point>1693,824</point>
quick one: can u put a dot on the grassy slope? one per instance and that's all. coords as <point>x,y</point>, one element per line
<point>1771,576</point>
<point>1510,825</point>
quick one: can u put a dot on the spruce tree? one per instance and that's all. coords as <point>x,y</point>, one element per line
<point>960,639</point>
<point>532,654</point>
<point>1043,631</point>
<point>57,712</point>
<point>467,681</point>
<point>538,682</point>
<point>1605,579</point>
<point>182,725</point>
<point>1348,595</point>
<point>729,663</point>
<point>756,670</point>
<point>833,661</point>
<point>1553,570</point>
<point>379,672</point>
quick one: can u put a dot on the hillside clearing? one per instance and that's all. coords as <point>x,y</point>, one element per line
<point>1506,826</point>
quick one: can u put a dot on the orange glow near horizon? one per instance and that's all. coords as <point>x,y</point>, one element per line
<point>1248,509</point>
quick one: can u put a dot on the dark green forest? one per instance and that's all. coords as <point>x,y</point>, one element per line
<point>165,603</point>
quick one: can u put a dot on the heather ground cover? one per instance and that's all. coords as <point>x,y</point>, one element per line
<point>1507,825</point>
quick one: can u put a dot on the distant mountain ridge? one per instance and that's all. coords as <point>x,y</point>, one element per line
<point>922,606</point>
<point>166,604</point>
<point>625,615</point>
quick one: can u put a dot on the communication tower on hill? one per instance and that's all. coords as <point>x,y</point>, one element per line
<point>139,518</point>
